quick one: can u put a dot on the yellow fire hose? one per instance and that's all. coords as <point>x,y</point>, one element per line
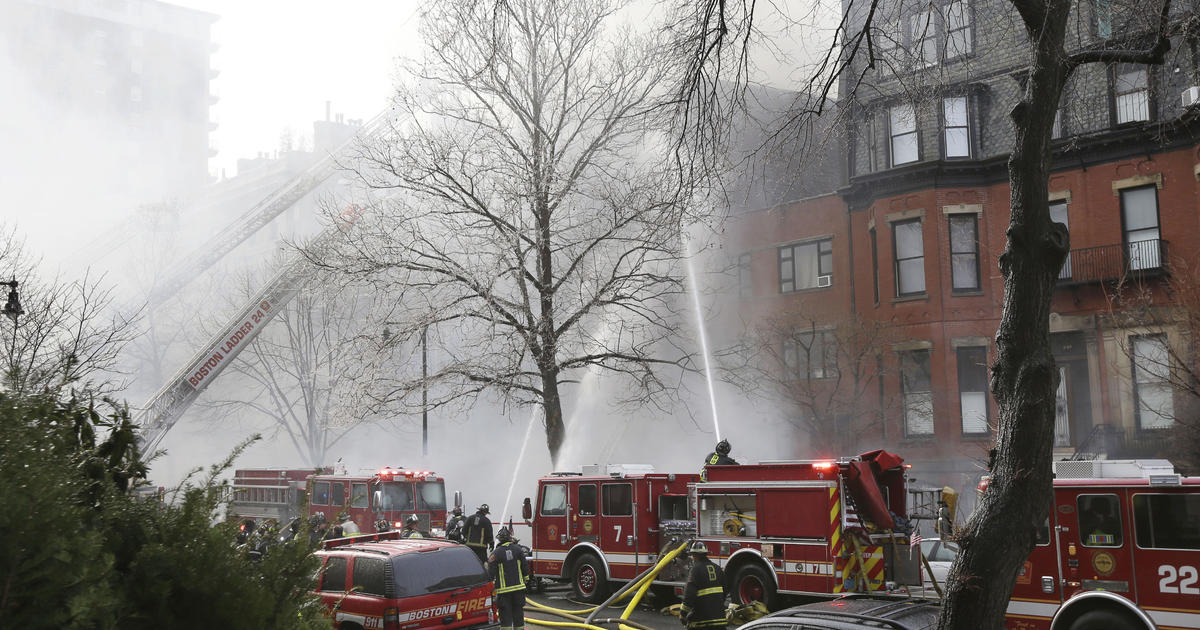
<point>532,606</point>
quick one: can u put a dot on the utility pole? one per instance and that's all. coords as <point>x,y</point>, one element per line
<point>424,393</point>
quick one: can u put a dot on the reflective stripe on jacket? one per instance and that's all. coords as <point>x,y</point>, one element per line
<point>508,567</point>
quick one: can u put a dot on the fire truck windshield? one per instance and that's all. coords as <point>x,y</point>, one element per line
<point>393,495</point>
<point>433,495</point>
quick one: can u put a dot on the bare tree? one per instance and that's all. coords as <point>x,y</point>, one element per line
<point>535,225</point>
<point>829,371</point>
<point>1001,532</point>
<point>68,338</point>
<point>305,370</point>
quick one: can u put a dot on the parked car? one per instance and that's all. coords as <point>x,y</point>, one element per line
<point>941,554</point>
<point>853,612</point>
<point>384,581</point>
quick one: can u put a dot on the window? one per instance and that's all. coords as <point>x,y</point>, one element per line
<point>875,264</point>
<point>1167,521</point>
<point>917,393</point>
<point>972,389</point>
<point>437,571</point>
<point>1058,214</point>
<point>618,499</point>
<point>805,266</point>
<point>964,252</point>
<point>957,16</point>
<point>358,495</point>
<point>810,354</point>
<point>320,495</point>
<point>1132,89</point>
<point>554,500</point>
<point>433,495</point>
<point>337,494</point>
<point>922,37</point>
<point>902,121</point>
<point>587,499</point>
<point>1099,520</point>
<point>888,41</point>
<point>370,576</point>
<point>745,281</point>
<point>954,123</point>
<point>1154,407</point>
<point>394,496</point>
<point>718,509</point>
<point>910,257</point>
<point>1056,130</point>
<point>1139,218</point>
<point>334,574</point>
<point>1104,19</point>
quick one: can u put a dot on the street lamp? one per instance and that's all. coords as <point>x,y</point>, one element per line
<point>12,308</point>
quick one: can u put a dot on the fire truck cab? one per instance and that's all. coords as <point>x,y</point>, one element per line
<point>1120,550</point>
<point>609,523</point>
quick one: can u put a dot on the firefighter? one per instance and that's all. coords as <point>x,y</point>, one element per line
<point>719,457</point>
<point>411,527</point>
<point>454,528</point>
<point>477,532</point>
<point>944,525</point>
<point>349,527</point>
<point>509,568</point>
<point>382,525</point>
<point>704,595</point>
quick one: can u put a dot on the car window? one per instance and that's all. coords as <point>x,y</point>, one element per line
<point>1099,520</point>
<point>320,495</point>
<point>433,495</point>
<point>617,498</point>
<point>358,495</point>
<point>391,495</point>
<point>587,499</point>
<point>433,571</point>
<point>336,493</point>
<point>369,576</point>
<point>334,574</point>
<point>1167,521</point>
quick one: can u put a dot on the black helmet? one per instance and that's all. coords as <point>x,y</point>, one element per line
<point>457,511</point>
<point>382,525</point>
<point>698,548</point>
<point>503,535</point>
<point>723,447</point>
<point>483,509</point>
<point>412,520</point>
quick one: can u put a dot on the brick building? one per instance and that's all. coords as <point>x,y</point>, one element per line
<point>910,241</point>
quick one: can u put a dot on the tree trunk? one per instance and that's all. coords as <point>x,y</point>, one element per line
<point>1001,533</point>
<point>552,409</point>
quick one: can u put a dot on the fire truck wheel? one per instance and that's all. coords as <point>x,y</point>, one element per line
<point>588,580</point>
<point>752,584</point>
<point>1104,620</point>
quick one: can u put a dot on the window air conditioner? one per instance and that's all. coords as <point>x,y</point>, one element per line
<point>1191,96</point>
<point>824,281</point>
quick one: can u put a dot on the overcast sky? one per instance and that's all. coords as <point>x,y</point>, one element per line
<point>280,60</point>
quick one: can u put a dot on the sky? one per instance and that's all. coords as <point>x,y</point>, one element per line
<point>281,60</point>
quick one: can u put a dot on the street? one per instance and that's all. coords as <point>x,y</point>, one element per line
<point>558,596</point>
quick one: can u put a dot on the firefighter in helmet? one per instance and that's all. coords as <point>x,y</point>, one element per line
<point>382,525</point>
<point>454,527</point>
<point>412,526</point>
<point>704,595</point>
<point>477,532</point>
<point>719,457</point>
<point>509,568</point>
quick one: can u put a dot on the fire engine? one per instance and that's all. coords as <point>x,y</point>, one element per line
<point>813,528</point>
<point>389,494</point>
<point>1120,550</point>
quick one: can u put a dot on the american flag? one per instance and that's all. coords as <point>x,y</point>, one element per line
<point>916,539</point>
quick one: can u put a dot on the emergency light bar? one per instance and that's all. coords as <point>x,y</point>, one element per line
<point>350,540</point>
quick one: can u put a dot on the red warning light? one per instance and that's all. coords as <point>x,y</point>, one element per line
<point>823,466</point>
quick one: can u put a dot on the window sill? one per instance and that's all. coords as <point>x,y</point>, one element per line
<point>974,293</point>
<point>922,439</point>
<point>808,290</point>
<point>924,297</point>
<point>976,437</point>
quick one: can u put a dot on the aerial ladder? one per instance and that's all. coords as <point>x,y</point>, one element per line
<point>166,406</point>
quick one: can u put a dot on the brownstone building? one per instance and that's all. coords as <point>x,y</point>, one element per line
<point>910,240</point>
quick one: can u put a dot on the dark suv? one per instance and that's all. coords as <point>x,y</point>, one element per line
<point>853,612</point>
<point>382,581</point>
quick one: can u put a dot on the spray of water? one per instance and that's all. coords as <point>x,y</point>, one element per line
<point>695,282</point>
<point>517,466</point>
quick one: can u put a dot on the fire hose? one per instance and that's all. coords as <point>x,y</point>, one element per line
<point>641,583</point>
<point>532,606</point>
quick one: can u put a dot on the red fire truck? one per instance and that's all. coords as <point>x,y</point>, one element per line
<point>389,494</point>
<point>815,528</point>
<point>1120,551</point>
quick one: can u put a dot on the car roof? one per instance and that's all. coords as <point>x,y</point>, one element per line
<point>858,611</point>
<point>389,547</point>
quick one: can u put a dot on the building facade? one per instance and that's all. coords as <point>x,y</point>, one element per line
<point>920,222</point>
